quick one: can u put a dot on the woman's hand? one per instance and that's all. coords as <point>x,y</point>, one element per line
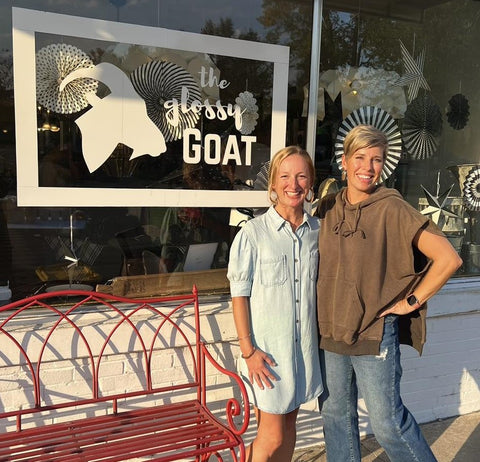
<point>401,307</point>
<point>259,369</point>
<point>258,362</point>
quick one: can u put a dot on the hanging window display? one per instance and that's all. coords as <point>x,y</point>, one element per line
<point>380,69</point>
<point>111,114</point>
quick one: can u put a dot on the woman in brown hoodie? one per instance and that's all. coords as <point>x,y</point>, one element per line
<point>380,261</point>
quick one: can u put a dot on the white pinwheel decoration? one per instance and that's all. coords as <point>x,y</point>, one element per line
<point>372,115</point>
<point>247,104</point>
<point>54,63</point>
<point>471,190</point>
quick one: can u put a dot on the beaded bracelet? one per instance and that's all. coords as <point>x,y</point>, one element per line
<point>249,355</point>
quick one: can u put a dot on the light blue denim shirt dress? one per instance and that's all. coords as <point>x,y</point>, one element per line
<point>277,269</point>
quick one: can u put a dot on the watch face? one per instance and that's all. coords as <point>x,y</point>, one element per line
<point>412,300</point>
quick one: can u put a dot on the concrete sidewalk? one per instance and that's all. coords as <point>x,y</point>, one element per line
<point>456,439</point>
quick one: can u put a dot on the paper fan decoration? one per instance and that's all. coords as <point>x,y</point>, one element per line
<point>413,76</point>
<point>458,111</point>
<point>261,180</point>
<point>247,104</point>
<point>372,115</point>
<point>471,190</point>
<point>160,81</point>
<point>422,127</point>
<point>53,63</point>
<point>439,206</point>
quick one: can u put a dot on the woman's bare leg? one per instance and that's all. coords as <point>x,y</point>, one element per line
<point>276,437</point>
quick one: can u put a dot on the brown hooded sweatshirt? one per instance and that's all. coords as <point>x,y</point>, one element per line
<point>368,263</point>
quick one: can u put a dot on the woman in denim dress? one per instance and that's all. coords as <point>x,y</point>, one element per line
<point>272,272</point>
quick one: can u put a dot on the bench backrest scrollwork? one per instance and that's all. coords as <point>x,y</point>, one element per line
<point>74,353</point>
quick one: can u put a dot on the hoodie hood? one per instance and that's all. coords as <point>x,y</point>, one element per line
<point>349,215</point>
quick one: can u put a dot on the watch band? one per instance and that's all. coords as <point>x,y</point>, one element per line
<point>412,300</point>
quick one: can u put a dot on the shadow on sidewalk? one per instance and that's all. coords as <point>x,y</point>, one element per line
<point>456,439</point>
<point>470,448</point>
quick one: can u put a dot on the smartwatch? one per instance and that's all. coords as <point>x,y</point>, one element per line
<point>412,300</point>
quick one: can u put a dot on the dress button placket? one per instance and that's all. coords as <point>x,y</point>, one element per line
<point>296,287</point>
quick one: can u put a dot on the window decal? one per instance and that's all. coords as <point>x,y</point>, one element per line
<point>114,114</point>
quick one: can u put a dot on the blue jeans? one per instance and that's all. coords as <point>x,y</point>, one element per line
<point>378,378</point>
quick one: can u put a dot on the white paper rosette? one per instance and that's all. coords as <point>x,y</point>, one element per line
<point>247,104</point>
<point>53,63</point>
<point>372,115</point>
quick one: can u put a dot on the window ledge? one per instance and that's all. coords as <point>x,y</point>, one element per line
<point>457,296</point>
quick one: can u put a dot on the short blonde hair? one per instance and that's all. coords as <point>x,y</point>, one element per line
<point>364,136</point>
<point>279,157</point>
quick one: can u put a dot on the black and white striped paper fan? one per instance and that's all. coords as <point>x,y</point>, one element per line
<point>471,190</point>
<point>381,119</point>
<point>422,127</point>
<point>160,81</point>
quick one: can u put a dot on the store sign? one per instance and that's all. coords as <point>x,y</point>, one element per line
<point>117,94</point>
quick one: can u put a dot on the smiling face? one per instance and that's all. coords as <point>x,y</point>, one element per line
<point>291,183</point>
<point>364,168</point>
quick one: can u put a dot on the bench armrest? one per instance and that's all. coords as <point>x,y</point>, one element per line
<point>233,407</point>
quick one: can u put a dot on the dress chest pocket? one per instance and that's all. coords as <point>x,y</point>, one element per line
<point>273,271</point>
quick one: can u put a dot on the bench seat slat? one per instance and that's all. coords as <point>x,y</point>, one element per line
<point>171,414</point>
<point>125,435</point>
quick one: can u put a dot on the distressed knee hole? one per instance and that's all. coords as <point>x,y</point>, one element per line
<point>383,354</point>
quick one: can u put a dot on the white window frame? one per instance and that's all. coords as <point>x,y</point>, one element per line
<point>27,22</point>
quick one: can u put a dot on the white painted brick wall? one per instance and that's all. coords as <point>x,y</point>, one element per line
<point>444,382</point>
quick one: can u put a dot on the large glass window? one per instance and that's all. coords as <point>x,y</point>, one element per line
<point>413,63</point>
<point>45,247</point>
<point>412,66</point>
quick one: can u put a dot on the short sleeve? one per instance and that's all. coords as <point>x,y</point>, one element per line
<point>414,221</point>
<point>431,227</point>
<point>241,265</point>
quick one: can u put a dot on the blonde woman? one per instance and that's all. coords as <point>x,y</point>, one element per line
<point>373,283</point>
<point>272,272</point>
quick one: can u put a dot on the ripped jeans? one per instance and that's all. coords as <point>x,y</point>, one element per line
<point>378,378</point>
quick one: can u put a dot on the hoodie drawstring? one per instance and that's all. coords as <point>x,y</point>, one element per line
<point>351,231</point>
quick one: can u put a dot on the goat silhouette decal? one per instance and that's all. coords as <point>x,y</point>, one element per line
<point>120,117</point>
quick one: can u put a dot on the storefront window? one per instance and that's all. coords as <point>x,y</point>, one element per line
<point>53,244</point>
<point>412,67</point>
<point>409,64</point>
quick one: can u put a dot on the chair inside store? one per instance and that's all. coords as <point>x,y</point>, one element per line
<point>133,242</point>
<point>153,263</point>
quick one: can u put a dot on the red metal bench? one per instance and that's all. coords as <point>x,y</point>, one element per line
<point>104,378</point>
